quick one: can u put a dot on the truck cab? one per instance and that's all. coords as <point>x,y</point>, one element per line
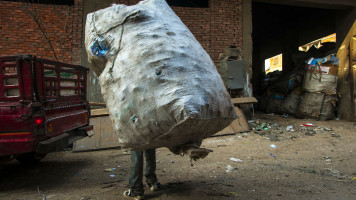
<point>43,107</point>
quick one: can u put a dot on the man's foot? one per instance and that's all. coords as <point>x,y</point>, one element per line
<point>128,193</point>
<point>153,186</point>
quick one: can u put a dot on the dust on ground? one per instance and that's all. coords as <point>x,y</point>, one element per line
<point>315,162</point>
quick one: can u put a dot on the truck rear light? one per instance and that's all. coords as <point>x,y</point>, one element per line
<point>38,120</point>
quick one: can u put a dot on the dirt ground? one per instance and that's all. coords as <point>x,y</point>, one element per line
<point>308,163</point>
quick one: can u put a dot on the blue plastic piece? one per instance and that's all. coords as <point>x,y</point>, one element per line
<point>99,47</point>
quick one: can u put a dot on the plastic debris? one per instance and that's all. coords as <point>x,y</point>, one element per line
<point>335,135</point>
<point>310,133</point>
<point>99,47</point>
<point>236,159</point>
<point>263,127</point>
<point>353,178</point>
<point>234,194</point>
<point>273,146</point>
<point>272,155</point>
<point>112,175</point>
<point>229,169</point>
<point>110,169</point>
<point>307,124</point>
<point>290,128</point>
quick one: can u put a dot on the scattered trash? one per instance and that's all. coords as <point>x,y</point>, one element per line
<point>273,146</point>
<point>236,160</point>
<point>327,129</point>
<point>263,127</point>
<point>328,160</point>
<point>327,157</point>
<point>112,175</point>
<point>272,155</point>
<point>51,196</point>
<point>234,194</point>
<point>335,135</point>
<point>310,133</point>
<point>353,178</point>
<point>307,124</point>
<point>172,162</point>
<point>290,128</point>
<point>110,169</point>
<point>331,172</point>
<point>229,169</point>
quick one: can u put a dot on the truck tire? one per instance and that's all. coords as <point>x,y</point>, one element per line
<point>30,158</point>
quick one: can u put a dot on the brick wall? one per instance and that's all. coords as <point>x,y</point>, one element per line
<point>20,34</point>
<point>216,28</point>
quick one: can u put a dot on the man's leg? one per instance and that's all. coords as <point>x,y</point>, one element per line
<point>151,178</point>
<point>136,170</point>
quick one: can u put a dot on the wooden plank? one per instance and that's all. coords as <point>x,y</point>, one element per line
<point>89,143</point>
<point>244,100</point>
<point>99,112</point>
<point>240,124</point>
<point>237,126</point>
<point>108,139</point>
<point>105,138</point>
<point>97,104</point>
<point>226,130</point>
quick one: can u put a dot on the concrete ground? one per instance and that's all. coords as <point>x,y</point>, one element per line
<point>316,162</point>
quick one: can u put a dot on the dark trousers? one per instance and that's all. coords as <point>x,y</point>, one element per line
<point>136,170</point>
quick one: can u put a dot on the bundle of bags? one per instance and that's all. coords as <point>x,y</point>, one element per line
<point>160,86</point>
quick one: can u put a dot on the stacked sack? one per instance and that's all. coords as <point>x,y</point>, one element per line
<point>320,83</point>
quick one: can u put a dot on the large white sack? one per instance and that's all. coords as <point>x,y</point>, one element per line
<point>161,87</point>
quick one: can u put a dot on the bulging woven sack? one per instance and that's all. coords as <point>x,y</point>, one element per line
<point>317,82</point>
<point>160,86</point>
<point>319,106</point>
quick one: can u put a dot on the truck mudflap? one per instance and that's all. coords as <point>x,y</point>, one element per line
<point>61,141</point>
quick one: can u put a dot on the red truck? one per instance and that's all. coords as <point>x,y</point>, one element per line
<point>43,107</point>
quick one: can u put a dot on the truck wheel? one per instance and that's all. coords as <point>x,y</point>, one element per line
<point>30,158</point>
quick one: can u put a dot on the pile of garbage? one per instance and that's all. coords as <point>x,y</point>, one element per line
<point>307,92</point>
<point>270,130</point>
